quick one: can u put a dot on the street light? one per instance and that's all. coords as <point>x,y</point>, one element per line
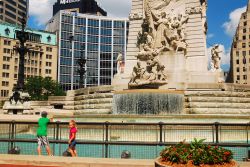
<point>81,71</point>
<point>22,36</point>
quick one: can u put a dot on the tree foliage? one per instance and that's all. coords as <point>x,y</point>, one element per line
<point>40,88</point>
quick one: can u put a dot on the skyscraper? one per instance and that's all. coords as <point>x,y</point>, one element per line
<point>98,38</point>
<point>240,51</point>
<point>12,11</point>
<point>80,6</point>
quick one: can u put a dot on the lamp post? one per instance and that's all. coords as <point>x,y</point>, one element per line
<point>22,36</point>
<point>81,70</point>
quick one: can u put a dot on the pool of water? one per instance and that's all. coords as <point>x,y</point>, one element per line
<point>98,150</point>
<point>157,118</point>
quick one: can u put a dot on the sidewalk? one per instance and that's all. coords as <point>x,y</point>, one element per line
<point>53,161</point>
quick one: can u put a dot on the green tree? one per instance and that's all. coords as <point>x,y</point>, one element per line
<point>40,88</point>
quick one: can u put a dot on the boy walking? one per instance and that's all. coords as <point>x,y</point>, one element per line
<point>42,139</point>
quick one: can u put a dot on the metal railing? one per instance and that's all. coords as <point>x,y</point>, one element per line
<point>108,140</point>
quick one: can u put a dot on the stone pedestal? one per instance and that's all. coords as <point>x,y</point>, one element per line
<point>17,108</point>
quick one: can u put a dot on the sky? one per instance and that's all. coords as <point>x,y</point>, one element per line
<point>222,17</point>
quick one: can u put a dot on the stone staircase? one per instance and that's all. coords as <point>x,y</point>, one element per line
<point>94,100</point>
<point>217,102</point>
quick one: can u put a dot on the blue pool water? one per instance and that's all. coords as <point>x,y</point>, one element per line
<point>98,151</point>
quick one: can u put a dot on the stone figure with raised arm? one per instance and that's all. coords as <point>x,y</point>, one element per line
<point>216,58</point>
<point>137,73</point>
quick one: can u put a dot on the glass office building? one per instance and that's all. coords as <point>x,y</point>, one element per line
<point>97,38</point>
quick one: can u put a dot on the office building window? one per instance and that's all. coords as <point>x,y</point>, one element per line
<point>6,42</point>
<point>48,49</point>
<point>238,69</point>
<point>6,66</point>
<point>5,50</point>
<point>4,93</point>
<point>243,45</point>
<point>5,75</point>
<point>49,64</point>
<point>47,71</point>
<point>238,77</point>
<point>5,83</point>
<point>48,56</point>
<point>5,58</point>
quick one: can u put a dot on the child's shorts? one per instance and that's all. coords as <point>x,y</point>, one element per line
<point>42,141</point>
<point>72,144</point>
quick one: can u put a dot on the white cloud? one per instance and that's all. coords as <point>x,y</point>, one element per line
<point>42,9</point>
<point>225,55</point>
<point>116,8</point>
<point>231,25</point>
<point>210,36</point>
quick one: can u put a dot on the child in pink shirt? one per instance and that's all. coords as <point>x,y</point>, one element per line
<point>72,137</point>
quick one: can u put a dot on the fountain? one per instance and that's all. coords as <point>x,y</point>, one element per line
<point>151,102</point>
<point>166,68</point>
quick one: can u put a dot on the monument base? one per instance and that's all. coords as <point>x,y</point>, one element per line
<point>17,108</point>
<point>177,80</point>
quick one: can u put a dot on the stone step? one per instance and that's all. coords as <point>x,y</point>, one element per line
<point>217,99</point>
<point>217,93</point>
<point>69,107</point>
<point>217,105</point>
<point>94,101</point>
<point>220,111</point>
<point>94,106</point>
<point>93,111</point>
<point>94,96</point>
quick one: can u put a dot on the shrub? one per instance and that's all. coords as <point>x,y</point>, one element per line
<point>197,152</point>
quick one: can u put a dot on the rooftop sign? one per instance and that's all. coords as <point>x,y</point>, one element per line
<point>68,1</point>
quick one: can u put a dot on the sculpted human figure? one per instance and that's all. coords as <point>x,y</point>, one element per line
<point>137,73</point>
<point>161,28</point>
<point>119,63</point>
<point>160,72</point>
<point>178,24</point>
<point>215,52</point>
<point>159,4</point>
<point>149,40</point>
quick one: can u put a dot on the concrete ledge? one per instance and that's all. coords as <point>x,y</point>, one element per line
<point>72,162</point>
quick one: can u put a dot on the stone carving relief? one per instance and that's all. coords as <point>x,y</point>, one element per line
<point>200,10</point>
<point>193,10</point>
<point>135,16</point>
<point>204,15</point>
<point>162,30</point>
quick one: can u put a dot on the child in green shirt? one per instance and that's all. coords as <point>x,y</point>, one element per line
<point>42,139</point>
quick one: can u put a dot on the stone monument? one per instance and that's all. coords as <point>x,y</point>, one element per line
<point>166,45</point>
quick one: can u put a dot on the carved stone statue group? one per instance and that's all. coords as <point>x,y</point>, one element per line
<point>164,31</point>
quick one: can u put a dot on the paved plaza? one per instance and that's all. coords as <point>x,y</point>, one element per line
<point>45,161</point>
